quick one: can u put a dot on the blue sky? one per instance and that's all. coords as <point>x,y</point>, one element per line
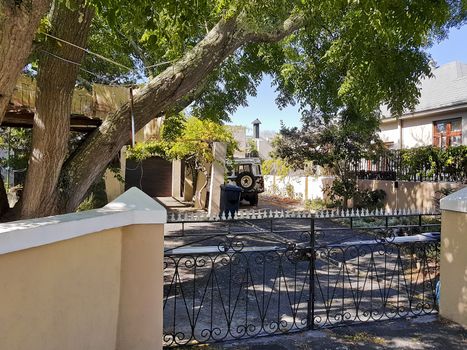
<point>263,106</point>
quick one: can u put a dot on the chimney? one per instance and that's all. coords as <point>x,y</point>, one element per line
<point>256,123</point>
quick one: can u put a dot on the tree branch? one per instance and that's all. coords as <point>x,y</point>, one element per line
<point>18,25</point>
<point>163,93</point>
<point>290,25</point>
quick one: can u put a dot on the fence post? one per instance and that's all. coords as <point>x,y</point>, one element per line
<point>311,277</point>
<point>453,258</point>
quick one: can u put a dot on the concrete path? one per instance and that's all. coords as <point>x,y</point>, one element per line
<point>426,332</point>
<point>265,202</point>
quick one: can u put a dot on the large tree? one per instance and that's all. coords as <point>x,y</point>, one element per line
<point>55,84</point>
<point>19,21</point>
<point>336,143</point>
<point>322,55</point>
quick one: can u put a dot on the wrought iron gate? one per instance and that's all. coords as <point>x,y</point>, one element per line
<point>276,272</point>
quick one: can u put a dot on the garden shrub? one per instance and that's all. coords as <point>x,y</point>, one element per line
<point>432,162</point>
<point>315,204</point>
<point>290,190</point>
<point>97,197</point>
<point>275,166</point>
<point>367,199</point>
<point>341,190</point>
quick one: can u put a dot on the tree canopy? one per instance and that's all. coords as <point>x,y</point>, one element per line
<point>185,138</point>
<point>346,52</point>
<point>323,55</point>
<point>334,143</point>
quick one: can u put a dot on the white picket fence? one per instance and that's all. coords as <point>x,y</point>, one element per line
<point>285,214</point>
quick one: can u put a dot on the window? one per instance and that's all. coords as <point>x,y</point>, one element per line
<point>243,167</point>
<point>257,170</point>
<point>447,133</point>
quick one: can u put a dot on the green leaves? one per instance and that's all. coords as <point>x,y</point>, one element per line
<point>197,139</point>
<point>431,161</point>
<point>333,142</point>
<point>359,53</point>
<point>275,166</point>
<point>362,53</point>
<point>185,138</point>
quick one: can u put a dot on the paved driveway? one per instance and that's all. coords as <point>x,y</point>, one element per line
<point>426,332</point>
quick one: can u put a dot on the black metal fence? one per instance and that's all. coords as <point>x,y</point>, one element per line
<point>268,274</point>
<point>418,164</point>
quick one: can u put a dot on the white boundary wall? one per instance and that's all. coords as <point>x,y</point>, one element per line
<point>89,280</point>
<point>298,187</point>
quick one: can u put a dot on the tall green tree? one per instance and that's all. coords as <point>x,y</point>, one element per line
<point>19,21</point>
<point>190,139</point>
<point>335,143</point>
<point>55,85</point>
<point>322,55</point>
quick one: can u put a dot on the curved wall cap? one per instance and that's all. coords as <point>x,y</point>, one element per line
<point>456,201</point>
<point>131,208</point>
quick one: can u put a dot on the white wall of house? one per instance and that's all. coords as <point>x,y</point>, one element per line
<point>239,134</point>
<point>390,133</point>
<point>264,148</point>
<point>298,187</point>
<point>417,131</point>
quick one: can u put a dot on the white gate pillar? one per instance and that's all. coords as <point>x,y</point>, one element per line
<point>217,177</point>
<point>453,260</point>
<point>176,178</point>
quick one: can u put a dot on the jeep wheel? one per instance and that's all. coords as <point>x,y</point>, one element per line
<point>246,180</point>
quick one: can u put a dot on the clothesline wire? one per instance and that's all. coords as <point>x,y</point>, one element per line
<point>103,57</point>
<point>83,69</point>
<point>87,51</point>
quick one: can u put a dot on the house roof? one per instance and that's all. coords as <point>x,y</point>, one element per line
<point>256,121</point>
<point>446,88</point>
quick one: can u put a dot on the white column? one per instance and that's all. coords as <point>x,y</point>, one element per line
<point>453,259</point>
<point>464,130</point>
<point>176,178</point>
<point>217,177</point>
<point>399,130</point>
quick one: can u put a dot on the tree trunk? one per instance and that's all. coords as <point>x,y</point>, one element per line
<point>19,21</point>
<point>158,95</point>
<point>161,94</point>
<point>4,205</point>
<point>51,129</point>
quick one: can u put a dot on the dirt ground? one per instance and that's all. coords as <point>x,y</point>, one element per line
<point>426,332</point>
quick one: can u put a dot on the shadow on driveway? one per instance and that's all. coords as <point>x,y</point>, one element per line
<point>425,332</point>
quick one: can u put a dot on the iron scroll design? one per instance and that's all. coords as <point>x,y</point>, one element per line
<point>236,286</point>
